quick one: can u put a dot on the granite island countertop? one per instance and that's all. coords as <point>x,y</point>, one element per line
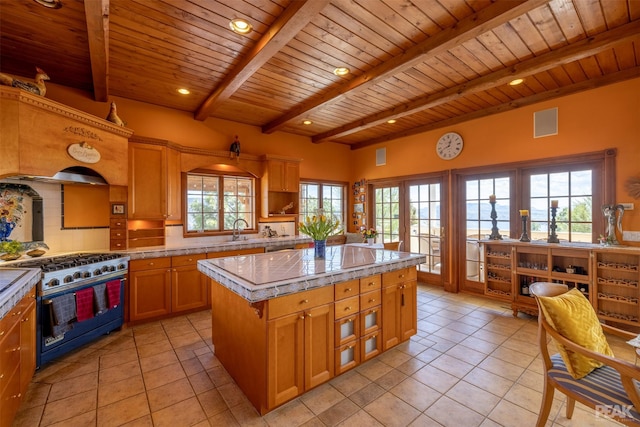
<point>15,283</point>
<point>263,276</point>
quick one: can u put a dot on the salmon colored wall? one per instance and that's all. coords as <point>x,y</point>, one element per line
<point>321,161</point>
<point>595,120</point>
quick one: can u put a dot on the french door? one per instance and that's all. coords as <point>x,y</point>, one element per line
<point>412,212</point>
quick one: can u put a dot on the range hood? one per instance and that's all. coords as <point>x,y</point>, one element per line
<point>72,175</point>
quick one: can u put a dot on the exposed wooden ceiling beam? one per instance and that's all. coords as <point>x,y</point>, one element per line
<point>564,55</point>
<point>589,84</point>
<point>293,19</point>
<point>97,14</point>
<point>472,26</point>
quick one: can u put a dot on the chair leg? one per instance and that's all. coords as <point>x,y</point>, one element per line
<point>571,403</point>
<point>545,405</point>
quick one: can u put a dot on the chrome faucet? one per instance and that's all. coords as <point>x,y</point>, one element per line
<point>236,231</point>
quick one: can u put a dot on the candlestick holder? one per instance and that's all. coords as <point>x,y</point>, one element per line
<point>495,235</point>
<point>524,237</point>
<point>553,237</point>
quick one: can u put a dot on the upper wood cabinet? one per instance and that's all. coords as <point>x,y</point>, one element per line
<point>154,182</point>
<point>283,175</point>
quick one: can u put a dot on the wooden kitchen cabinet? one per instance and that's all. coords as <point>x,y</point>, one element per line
<point>300,341</point>
<point>149,288</point>
<point>189,289</point>
<point>17,356</point>
<point>399,306</point>
<point>147,181</point>
<point>283,175</point>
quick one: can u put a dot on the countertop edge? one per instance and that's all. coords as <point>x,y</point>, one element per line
<point>21,288</point>
<point>242,288</point>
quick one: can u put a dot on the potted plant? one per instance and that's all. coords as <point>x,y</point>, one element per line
<point>369,235</point>
<point>319,227</point>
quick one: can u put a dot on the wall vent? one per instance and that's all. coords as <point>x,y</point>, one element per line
<point>381,156</point>
<point>545,123</point>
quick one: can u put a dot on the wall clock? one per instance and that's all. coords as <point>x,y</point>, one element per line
<point>449,145</point>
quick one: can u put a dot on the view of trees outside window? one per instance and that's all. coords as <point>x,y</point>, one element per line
<point>425,225</point>
<point>328,197</point>
<point>478,218</point>
<point>573,191</point>
<point>387,213</point>
<point>204,200</point>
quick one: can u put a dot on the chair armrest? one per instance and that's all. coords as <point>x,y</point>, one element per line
<point>618,332</point>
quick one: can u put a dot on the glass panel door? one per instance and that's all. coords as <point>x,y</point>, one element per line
<point>387,214</point>
<point>425,229</point>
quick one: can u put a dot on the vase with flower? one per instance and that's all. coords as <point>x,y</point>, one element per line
<point>370,235</point>
<point>319,227</point>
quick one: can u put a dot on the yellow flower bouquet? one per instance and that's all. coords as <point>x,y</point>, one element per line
<point>319,226</point>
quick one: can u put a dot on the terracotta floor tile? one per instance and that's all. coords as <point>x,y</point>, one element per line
<point>473,397</point>
<point>119,372</point>
<point>118,358</point>
<point>321,398</point>
<point>416,394</point>
<point>294,413</point>
<point>350,382</point>
<point>158,360</point>
<point>360,419</point>
<point>110,392</point>
<point>391,411</point>
<point>212,402</point>
<point>366,394</point>
<point>123,411</point>
<point>169,394</point>
<point>81,384</point>
<point>164,375</point>
<point>450,413</point>
<point>64,409</point>
<point>153,348</point>
<point>338,412</point>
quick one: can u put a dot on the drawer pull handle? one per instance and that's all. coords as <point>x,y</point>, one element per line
<point>1,376</point>
<point>1,333</point>
<point>349,347</point>
<point>190,259</point>
<point>17,313</point>
<point>348,290</point>
<point>372,300</point>
<point>347,308</point>
<point>401,276</point>
<point>347,321</point>
<point>304,301</point>
<point>15,396</point>
<point>371,283</point>
<point>26,319</point>
<point>301,317</point>
<point>150,263</point>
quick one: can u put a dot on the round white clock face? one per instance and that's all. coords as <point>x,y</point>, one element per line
<point>449,145</point>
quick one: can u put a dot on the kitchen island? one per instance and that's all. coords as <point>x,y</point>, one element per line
<point>285,322</point>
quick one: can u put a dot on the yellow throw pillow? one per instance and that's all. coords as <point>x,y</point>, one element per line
<point>573,317</point>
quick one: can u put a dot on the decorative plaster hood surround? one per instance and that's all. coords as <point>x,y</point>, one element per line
<point>41,137</point>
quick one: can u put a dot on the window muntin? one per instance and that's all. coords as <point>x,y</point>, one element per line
<point>387,213</point>
<point>329,197</point>
<point>574,192</point>
<point>211,210</point>
<point>425,224</point>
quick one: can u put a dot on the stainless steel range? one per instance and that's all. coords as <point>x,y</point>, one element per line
<point>65,321</point>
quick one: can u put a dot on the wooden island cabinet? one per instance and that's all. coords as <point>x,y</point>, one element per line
<point>608,276</point>
<point>291,322</point>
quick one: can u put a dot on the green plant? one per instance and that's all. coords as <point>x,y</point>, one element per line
<point>319,227</point>
<point>11,247</point>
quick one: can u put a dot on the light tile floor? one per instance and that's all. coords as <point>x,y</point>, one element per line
<point>471,364</point>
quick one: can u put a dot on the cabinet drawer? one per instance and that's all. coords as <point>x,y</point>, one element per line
<point>300,301</point>
<point>347,357</point>
<point>118,244</point>
<point>346,289</point>
<point>370,320</point>
<point>149,263</point>
<point>370,346</point>
<point>118,223</point>
<point>347,307</point>
<point>10,351</point>
<point>118,233</point>
<point>403,275</point>
<point>370,299</point>
<point>182,260</point>
<point>370,283</point>
<point>346,330</point>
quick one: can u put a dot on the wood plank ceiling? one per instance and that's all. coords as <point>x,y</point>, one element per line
<point>425,63</point>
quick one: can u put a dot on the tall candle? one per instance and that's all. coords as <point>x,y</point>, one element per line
<point>554,203</point>
<point>524,212</point>
<point>492,198</point>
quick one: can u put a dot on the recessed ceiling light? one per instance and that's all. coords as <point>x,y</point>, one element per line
<point>184,91</point>
<point>307,122</point>
<point>51,4</point>
<point>391,121</point>
<point>341,71</point>
<point>240,26</point>
<point>516,82</point>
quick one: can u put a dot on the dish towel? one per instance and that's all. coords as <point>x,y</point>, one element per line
<point>63,309</point>
<point>113,293</point>
<point>100,298</point>
<point>84,304</point>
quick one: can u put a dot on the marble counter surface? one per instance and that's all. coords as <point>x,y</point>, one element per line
<point>215,246</point>
<point>263,276</point>
<point>15,283</point>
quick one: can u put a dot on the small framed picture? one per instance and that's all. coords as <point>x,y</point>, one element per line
<point>117,208</point>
